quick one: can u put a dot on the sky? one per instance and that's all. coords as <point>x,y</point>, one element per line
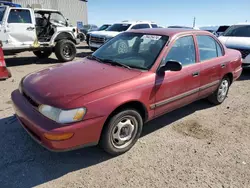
<point>170,12</point>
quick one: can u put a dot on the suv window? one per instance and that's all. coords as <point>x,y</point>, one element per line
<point>154,25</point>
<point>140,26</point>
<point>119,27</point>
<point>183,51</point>
<point>238,31</point>
<point>208,48</point>
<point>19,16</point>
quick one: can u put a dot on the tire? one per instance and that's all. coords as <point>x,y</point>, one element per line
<point>82,37</point>
<point>65,50</point>
<point>43,53</point>
<point>93,49</point>
<point>116,126</point>
<point>220,94</point>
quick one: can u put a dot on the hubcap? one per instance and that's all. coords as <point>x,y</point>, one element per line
<point>67,52</point>
<point>124,132</point>
<point>222,92</point>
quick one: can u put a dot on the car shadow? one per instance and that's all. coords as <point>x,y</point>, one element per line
<point>83,47</point>
<point>245,75</point>
<point>26,164</point>
<point>83,54</point>
<point>19,61</point>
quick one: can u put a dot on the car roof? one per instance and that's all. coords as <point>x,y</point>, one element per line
<point>169,31</point>
<point>136,22</point>
<point>243,23</point>
<point>45,10</point>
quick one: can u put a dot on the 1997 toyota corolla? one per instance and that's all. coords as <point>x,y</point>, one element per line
<point>107,97</point>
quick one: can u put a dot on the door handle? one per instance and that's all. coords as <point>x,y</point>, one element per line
<point>30,28</point>
<point>196,74</point>
<point>223,65</point>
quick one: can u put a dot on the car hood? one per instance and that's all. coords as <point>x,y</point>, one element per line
<point>236,42</point>
<point>106,33</point>
<point>58,85</point>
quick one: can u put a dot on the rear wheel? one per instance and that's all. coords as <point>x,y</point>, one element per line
<point>65,50</point>
<point>220,94</point>
<point>43,53</point>
<point>121,132</point>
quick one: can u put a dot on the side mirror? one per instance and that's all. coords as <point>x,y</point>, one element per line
<point>171,66</point>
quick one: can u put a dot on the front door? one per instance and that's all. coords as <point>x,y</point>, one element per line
<point>176,89</point>
<point>20,28</point>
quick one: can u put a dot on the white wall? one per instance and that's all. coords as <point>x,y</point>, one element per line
<point>74,10</point>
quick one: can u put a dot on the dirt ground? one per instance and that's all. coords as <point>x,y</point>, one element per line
<point>199,145</point>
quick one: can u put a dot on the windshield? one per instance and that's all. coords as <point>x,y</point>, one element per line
<point>238,31</point>
<point>103,27</point>
<point>2,11</point>
<point>136,50</point>
<point>58,18</point>
<point>86,27</point>
<point>119,27</point>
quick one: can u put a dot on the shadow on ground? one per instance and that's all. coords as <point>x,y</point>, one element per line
<point>245,75</point>
<point>19,61</point>
<point>24,163</point>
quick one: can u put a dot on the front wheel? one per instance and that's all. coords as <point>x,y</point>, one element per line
<point>121,132</point>
<point>65,50</point>
<point>220,94</point>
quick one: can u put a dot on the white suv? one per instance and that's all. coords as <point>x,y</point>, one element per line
<point>238,37</point>
<point>99,38</point>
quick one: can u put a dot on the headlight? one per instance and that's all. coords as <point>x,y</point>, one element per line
<point>62,116</point>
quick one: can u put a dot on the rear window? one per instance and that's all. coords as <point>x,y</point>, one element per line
<point>238,31</point>
<point>19,16</point>
<point>2,11</point>
<point>119,27</point>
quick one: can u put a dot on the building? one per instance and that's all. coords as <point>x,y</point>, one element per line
<point>74,10</point>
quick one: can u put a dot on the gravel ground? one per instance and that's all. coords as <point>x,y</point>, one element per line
<point>199,145</point>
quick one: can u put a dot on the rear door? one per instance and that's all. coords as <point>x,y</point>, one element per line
<point>212,63</point>
<point>20,28</point>
<point>176,89</point>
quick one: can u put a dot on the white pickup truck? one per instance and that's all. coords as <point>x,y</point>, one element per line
<point>42,31</point>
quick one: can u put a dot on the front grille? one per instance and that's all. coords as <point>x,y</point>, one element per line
<point>244,52</point>
<point>99,40</point>
<point>31,101</point>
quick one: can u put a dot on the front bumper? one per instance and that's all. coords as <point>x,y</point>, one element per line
<point>86,133</point>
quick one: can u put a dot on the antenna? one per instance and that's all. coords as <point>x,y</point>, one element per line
<point>194,22</point>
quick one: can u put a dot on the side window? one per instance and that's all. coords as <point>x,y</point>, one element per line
<point>143,26</point>
<point>19,16</point>
<point>154,25</point>
<point>219,50</point>
<point>182,51</point>
<point>207,47</point>
<point>136,27</point>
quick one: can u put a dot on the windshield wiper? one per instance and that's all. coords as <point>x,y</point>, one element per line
<point>92,57</point>
<point>112,62</point>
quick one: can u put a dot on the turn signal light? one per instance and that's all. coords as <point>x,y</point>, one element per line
<point>58,137</point>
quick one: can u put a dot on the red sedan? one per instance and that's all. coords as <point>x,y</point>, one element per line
<point>4,72</point>
<point>135,77</point>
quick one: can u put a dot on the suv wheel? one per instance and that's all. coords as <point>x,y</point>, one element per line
<point>121,132</point>
<point>220,94</point>
<point>43,53</point>
<point>65,50</point>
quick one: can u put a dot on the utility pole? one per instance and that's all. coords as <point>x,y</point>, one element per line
<point>194,22</point>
